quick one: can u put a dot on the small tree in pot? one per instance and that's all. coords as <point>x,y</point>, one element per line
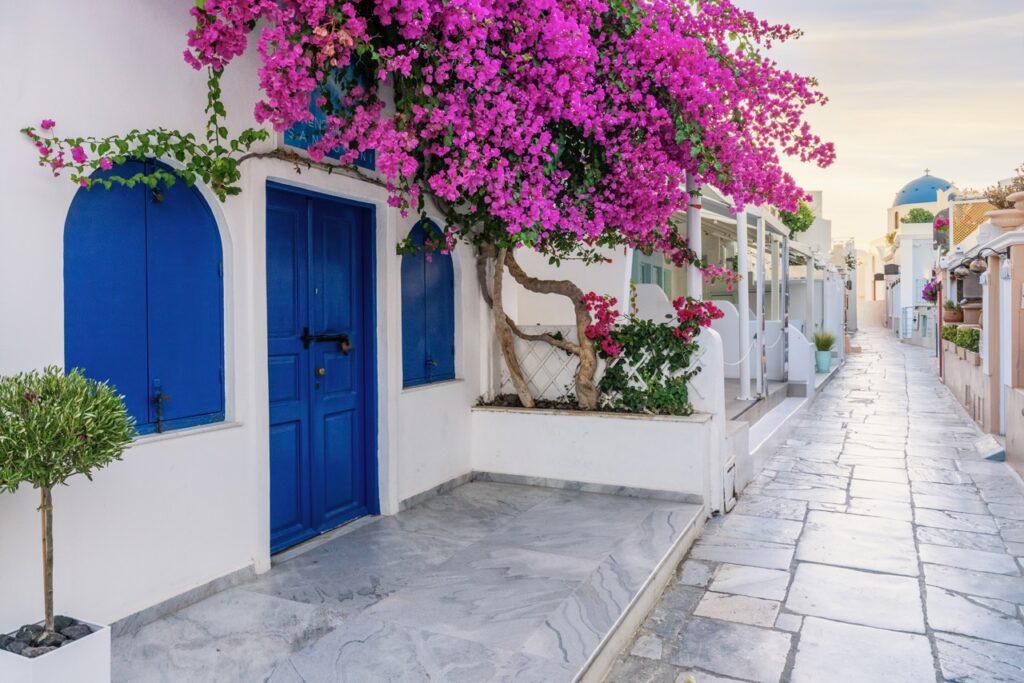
<point>52,427</point>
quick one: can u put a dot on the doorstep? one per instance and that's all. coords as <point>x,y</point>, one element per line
<point>486,581</point>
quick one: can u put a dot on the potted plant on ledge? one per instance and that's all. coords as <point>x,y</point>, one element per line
<point>52,427</point>
<point>823,342</point>
<point>952,312</point>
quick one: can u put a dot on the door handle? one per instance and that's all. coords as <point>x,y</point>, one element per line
<point>320,372</point>
<point>342,340</point>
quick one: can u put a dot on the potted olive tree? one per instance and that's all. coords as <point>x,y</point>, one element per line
<point>823,342</point>
<point>54,426</point>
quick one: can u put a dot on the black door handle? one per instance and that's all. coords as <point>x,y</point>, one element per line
<point>342,340</point>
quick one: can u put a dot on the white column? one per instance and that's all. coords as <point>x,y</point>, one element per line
<point>809,314</point>
<point>776,310</point>
<point>759,305</point>
<point>743,304</point>
<point>695,280</point>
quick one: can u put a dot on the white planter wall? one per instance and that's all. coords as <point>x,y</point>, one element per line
<point>658,453</point>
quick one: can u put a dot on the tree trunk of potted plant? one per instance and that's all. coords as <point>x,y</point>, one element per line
<point>46,510</point>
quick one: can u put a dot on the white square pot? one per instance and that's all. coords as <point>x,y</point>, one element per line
<point>86,660</point>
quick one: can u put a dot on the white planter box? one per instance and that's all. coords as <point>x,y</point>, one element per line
<point>86,660</point>
<point>672,454</point>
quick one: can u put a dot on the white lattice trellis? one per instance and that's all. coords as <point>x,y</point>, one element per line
<point>549,371</point>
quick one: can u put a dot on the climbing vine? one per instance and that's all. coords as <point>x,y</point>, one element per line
<point>214,159</point>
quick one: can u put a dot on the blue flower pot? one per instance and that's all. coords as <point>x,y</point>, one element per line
<point>822,360</point>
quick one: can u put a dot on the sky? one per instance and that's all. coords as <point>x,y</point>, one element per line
<point>913,84</point>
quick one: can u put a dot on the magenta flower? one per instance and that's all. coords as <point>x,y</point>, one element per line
<point>106,164</point>
<point>47,124</point>
<point>503,87</point>
<point>79,155</point>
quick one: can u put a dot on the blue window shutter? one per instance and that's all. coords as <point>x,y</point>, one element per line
<point>440,305</point>
<point>414,310</point>
<point>185,297</point>
<point>105,289</point>
<point>428,312</point>
<point>305,133</point>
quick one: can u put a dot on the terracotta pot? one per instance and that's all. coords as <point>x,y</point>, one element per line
<point>1007,219</point>
<point>952,315</point>
<point>1017,198</point>
<point>972,314</point>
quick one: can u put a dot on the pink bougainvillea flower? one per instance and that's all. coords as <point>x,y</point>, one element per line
<point>79,155</point>
<point>509,107</point>
<point>106,164</point>
<point>47,124</point>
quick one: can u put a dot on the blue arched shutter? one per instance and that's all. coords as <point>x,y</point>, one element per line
<point>105,308</point>
<point>428,312</point>
<point>186,314</point>
<point>143,300</point>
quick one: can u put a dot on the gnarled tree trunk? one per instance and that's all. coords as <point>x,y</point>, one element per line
<point>583,349</point>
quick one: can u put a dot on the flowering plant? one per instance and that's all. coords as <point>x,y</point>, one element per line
<point>713,273</point>
<point>648,363</point>
<point>930,293</point>
<point>214,160</point>
<point>941,223</point>
<point>559,125</point>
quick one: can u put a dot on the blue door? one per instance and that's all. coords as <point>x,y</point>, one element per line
<point>321,364</point>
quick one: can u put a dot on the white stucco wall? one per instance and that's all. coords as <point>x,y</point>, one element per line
<point>611,278</point>
<point>185,507</point>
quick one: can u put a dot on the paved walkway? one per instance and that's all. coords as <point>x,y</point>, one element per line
<point>877,545</point>
<point>476,584</point>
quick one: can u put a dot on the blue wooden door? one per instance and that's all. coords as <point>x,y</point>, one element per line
<point>320,344</point>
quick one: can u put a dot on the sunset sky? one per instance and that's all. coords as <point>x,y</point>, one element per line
<point>913,84</point>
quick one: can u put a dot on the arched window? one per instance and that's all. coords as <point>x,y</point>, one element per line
<point>143,299</point>
<point>428,311</point>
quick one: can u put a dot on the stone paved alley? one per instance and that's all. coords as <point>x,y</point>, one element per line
<point>877,545</point>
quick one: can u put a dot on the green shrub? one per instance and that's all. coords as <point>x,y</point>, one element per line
<point>824,341</point>
<point>918,215</point>
<point>969,338</point>
<point>800,221</point>
<point>949,332</point>
<point>52,427</point>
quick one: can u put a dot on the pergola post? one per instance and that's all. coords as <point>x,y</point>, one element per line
<point>762,359</point>
<point>695,279</point>
<point>809,325</point>
<point>785,309</point>
<point>743,304</point>
<point>776,311</point>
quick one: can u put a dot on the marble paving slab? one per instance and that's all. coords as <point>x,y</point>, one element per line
<point>488,581</point>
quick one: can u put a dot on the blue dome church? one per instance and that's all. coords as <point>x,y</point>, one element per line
<point>923,190</point>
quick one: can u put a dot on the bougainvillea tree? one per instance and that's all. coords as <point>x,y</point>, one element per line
<point>565,126</point>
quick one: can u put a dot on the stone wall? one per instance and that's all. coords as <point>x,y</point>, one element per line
<point>963,375</point>
<point>1015,429</point>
